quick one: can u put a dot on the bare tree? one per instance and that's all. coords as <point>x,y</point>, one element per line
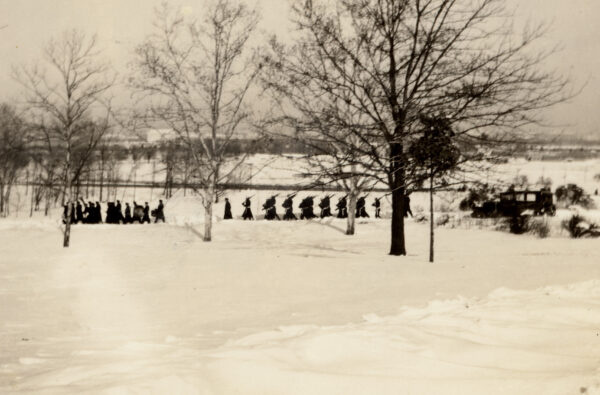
<point>198,76</point>
<point>392,60</point>
<point>68,105</point>
<point>14,154</point>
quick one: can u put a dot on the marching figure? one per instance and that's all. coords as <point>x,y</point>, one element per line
<point>247,215</point>
<point>119,212</point>
<point>227,214</point>
<point>306,208</point>
<point>270,209</point>
<point>361,211</point>
<point>146,217</point>
<point>79,211</point>
<point>407,209</point>
<point>377,206</point>
<point>325,207</point>
<point>138,212</point>
<point>128,218</point>
<point>98,214</point>
<point>160,212</point>
<point>288,205</point>
<point>341,208</point>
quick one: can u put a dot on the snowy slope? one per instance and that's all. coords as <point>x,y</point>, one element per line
<point>300,308</point>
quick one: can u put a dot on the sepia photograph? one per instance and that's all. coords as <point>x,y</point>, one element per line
<point>304,197</point>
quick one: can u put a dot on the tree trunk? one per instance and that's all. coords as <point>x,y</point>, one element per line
<point>396,178</point>
<point>7,198</point>
<point>398,243</point>
<point>208,208</point>
<point>101,179</point>
<point>1,199</point>
<point>67,235</point>
<point>217,171</point>
<point>32,201</point>
<point>351,220</point>
<point>47,208</point>
<point>431,224</point>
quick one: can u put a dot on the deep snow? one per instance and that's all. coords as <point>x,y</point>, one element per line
<point>299,308</point>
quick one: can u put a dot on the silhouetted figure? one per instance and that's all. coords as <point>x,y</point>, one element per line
<point>98,214</point>
<point>65,213</point>
<point>325,206</point>
<point>306,208</point>
<point>79,211</point>
<point>270,209</point>
<point>110,213</point>
<point>247,215</point>
<point>596,192</point>
<point>146,217</point>
<point>288,205</point>
<point>88,214</point>
<point>361,211</point>
<point>377,205</point>
<point>138,212</point>
<point>227,214</point>
<point>119,212</point>
<point>159,214</point>
<point>128,218</point>
<point>341,207</point>
<point>407,209</point>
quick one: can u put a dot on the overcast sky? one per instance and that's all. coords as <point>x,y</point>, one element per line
<point>25,25</point>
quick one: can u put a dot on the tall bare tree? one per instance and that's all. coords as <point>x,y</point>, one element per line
<point>67,96</point>
<point>198,76</point>
<point>392,60</point>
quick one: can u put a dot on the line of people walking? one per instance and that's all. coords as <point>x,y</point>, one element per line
<point>91,213</point>
<point>306,207</point>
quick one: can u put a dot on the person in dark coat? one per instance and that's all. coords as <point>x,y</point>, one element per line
<point>146,217</point>
<point>407,209</point>
<point>341,207</point>
<point>306,208</point>
<point>128,218</point>
<point>79,211</point>
<point>110,213</point>
<point>98,213</point>
<point>325,206</point>
<point>377,205</point>
<point>227,214</point>
<point>288,205</point>
<point>119,213</point>
<point>247,215</point>
<point>271,209</point>
<point>90,211</point>
<point>160,212</point>
<point>361,211</point>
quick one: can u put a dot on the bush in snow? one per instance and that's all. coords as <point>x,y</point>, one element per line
<point>420,217</point>
<point>579,227</point>
<point>442,220</point>
<point>476,196</point>
<point>539,227</point>
<point>519,224</point>
<point>570,194</point>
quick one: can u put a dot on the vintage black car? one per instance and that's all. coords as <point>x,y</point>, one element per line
<point>514,203</point>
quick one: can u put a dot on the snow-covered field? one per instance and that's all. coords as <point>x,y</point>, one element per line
<point>295,308</point>
<point>299,308</point>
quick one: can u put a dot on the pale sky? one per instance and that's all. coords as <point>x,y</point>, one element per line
<point>25,25</point>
